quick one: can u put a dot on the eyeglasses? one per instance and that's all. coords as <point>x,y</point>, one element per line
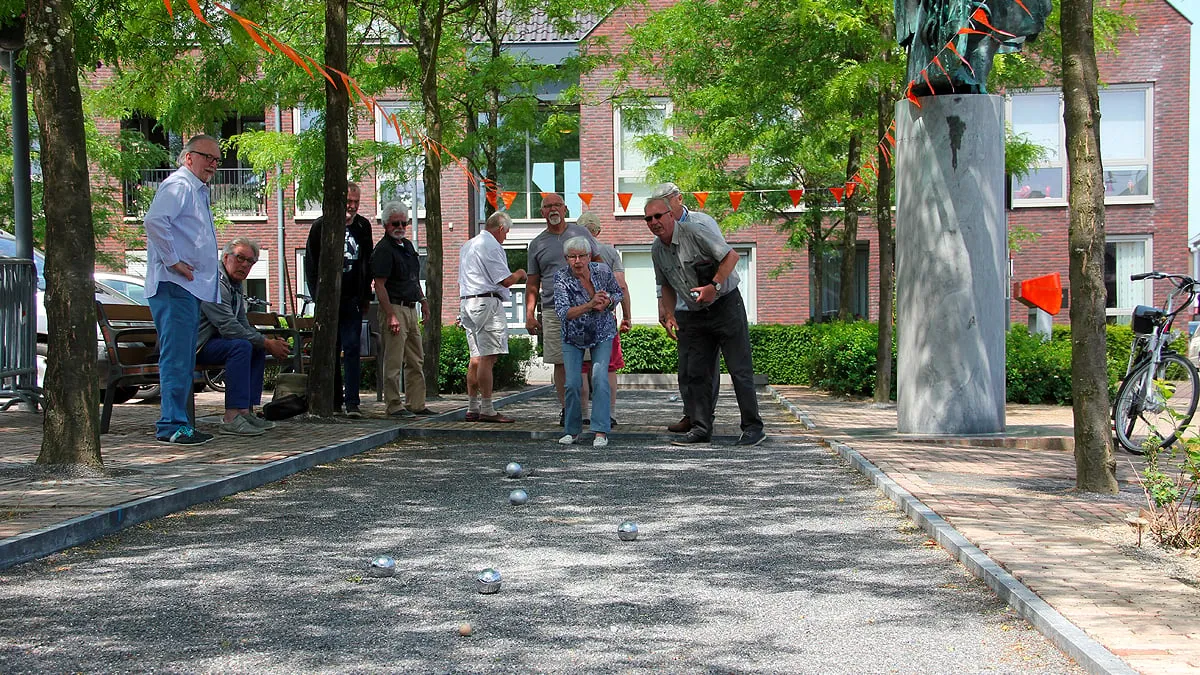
<point>211,158</point>
<point>654,217</point>
<point>244,260</point>
<point>399,223</point>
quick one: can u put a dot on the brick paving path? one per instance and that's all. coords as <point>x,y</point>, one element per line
<point>1012,497</point>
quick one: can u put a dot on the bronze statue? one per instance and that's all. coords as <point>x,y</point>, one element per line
<point>951,43</point>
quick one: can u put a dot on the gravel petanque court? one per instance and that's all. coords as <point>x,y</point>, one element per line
<point>775,559</point>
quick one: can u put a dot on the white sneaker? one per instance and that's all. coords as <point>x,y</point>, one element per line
<point>600,442</point>
<point>260,422</point>
<point>567,440</point>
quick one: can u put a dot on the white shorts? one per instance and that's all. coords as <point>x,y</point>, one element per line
<point>486,324</point>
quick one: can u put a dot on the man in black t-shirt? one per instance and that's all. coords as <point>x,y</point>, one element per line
<point>396,269</point>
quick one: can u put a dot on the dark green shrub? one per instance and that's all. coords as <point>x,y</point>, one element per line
<point>844,357</point>
<point>452,371</point>
<point>1038,371</point>
<point>647,349</point>
<point>508,373</point>
<point>783,353</point>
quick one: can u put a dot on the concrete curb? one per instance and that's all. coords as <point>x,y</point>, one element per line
<point>799,414</point>
<point>38,543</point>
<point>1092,655</point>
<point>519,397</point>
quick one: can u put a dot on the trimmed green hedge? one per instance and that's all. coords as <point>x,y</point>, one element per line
<point>840,357</point>
<point>508,373</point>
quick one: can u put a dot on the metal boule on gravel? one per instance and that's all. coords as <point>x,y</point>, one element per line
<point>513,470</point>
<point>627,531</point>
<point>518,497</point>
<point>488,581</point>
<point>383,566</point>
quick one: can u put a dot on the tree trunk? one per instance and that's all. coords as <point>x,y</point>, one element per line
<point>429,17</point>
<point>322,399</point>
<point>1095,468</point>
<point>816,278</point>
<point>887,257</point>
<point>72,422</point>
<point>848,289</point>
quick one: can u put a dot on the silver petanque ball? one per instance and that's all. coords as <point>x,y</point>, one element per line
<point>627,531</point>
<point>488,581</point>
<point>383,566</point>
<point>518,497</point>
<point>513,470</point>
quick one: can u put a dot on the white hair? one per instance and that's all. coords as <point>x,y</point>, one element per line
<point>241,241</point>
<point>577,245</point>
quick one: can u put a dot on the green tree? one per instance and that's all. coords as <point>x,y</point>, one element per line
<point>1095,468</point>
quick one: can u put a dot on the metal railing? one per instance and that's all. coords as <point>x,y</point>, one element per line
<point>234,192</point>
<point>18,332</point>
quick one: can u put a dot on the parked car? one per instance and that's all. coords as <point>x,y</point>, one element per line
<point>104,293</point>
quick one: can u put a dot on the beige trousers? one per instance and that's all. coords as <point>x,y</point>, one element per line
<point>403,351</point>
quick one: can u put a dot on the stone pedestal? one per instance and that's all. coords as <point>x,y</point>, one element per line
<point>951,265</point>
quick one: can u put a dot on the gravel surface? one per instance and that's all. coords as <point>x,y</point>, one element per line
<point>776,559</point>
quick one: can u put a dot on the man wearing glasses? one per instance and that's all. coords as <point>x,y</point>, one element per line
<point>181,272</point>
<point>226,337</point>
<point>396,269</point>
<point>355,298</point>
<point>697,265</point>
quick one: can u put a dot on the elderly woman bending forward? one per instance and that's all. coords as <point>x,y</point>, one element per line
<point>585,294</point>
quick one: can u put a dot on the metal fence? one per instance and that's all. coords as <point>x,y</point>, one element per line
<point>234,192</point>
<point>18,332</point>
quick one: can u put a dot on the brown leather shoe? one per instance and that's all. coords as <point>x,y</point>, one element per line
<point>472,417</point>
<point>682,426</point>
<point>497,418</point>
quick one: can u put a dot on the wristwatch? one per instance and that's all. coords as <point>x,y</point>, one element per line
<point>717,285</point>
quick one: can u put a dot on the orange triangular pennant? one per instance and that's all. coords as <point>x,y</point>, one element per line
<point>491,197</point>
<point>508,199</point>
<point>980,16</point>
<point>929,84</point>
<point>796,196</point>
<point>950,46</point>
<point>850,190</point>
<point>871,166</point>
<point>701,198</point>
<point>544,195</point>
<point>290,53</point>
<point>586,198</point>
<point>908,94</point>
<point>199,14</point>
<point>1024,7</point>
<point>735,198</point>
<point>624,198</point>
<point>248,26</point>
<point>837,193</point>
<point>171,13</point>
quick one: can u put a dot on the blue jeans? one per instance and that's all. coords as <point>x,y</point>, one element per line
<point>601,395</point>
<point>244,366</point>
<point>176,315</point>
<point>350,345</point>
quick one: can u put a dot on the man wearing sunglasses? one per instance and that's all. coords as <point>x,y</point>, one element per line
<point>696,265</point>
<point>227,337</point>
<point>181,272</point>
<point>396,269</point>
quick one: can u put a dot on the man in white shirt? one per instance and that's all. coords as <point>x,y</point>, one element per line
<point>483,283</point>
<point>182,266</point>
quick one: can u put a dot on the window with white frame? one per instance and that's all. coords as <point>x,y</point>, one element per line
<point>1126,145</point>
<point>303,120</point>
<point>1124,256</point>
<point>541,162</point>
<point>404,182</point>
<point>630,126</point>
<point>643,297</point>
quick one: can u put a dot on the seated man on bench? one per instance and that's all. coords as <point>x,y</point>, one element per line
<point>227,337</point>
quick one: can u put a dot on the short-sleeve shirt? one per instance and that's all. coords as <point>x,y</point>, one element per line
<point>482,265</point>
<point>694,254</point>
<point>611,257</point>
<point>399,265</point>
<point>592,327</point>
<point>546,256</point>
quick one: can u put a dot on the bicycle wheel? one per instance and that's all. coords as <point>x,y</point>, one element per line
<point>215,379</point>
<point>1151,412</point>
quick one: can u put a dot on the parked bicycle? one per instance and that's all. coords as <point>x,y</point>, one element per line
<point>1157,397</point>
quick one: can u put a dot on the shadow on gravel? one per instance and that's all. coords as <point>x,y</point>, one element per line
<point>774,559</point>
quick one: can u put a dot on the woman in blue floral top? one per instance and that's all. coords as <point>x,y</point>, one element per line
<point>585,295</point>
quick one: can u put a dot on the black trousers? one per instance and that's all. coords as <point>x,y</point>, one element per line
<point>683,360</point>
<point>718,329</point>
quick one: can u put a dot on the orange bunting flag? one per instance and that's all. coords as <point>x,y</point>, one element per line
<point>290,53</point>
<point>491,197</point>
<point>543,195</point>
<point>586,198</point>
<point>199,14</point>
<point>849,187</point>
<point>1024,7</point>
<point>837,194</point>
<point>624,198</point>
<point>171,13</point>
<point>980,16</point>
<point>796,196</point>
<point>927,82</point>
<point>701,198</point>
<point>735,198</point>
<point>908,94</point>
<point>949,79</point>
<point>321,69</point>
<point>508,199</point>
<point>950,46</point>
<point>248,26</point>
<point>871,166</point>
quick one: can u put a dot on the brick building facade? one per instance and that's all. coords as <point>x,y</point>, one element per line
<point>1146,216</point>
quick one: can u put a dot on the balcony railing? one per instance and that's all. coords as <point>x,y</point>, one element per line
<point>234,192</point>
